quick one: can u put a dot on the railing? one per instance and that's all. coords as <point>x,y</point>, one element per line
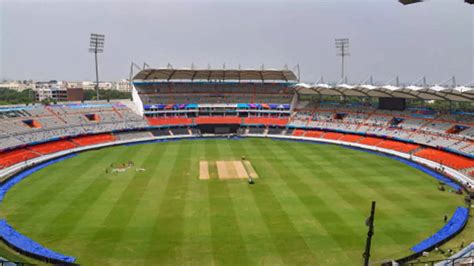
<point>464,261</point>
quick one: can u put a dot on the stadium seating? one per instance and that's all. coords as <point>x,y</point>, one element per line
<point>387,144</point>
<point>370,141</point>
<point>160,121</point>
<point>351,138</point>
<point>65,120</point>
<point>218,120</point>
<point>52,147</point>
<point>384,128</point>
<point>93,139</point>
<point>446,158</point>
<point>133,135</point>
<point>420,126</point>
<point>397,146</point>
<point>179,131</point>
<point>270,121</point>
<point>13,157</point>
<point>298,132</point>
<point>333,136</point>
<point>314,134</point>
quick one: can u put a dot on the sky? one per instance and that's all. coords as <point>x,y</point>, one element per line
<point>45,40</point>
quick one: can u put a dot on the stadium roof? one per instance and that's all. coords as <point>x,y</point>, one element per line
<point>461,93</point>
<point>166,74</point>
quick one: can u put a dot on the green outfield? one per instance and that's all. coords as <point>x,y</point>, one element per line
<point>308,206</point>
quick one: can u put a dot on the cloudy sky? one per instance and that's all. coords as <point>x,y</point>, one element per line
<point>49,39</point>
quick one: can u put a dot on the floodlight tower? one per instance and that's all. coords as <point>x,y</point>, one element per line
<point>342,46</point>
<point>370,223</point>
<point>97,46</point>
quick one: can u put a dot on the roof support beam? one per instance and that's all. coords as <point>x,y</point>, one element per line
<point>171,75</point>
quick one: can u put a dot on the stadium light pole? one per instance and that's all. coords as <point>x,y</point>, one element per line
<point>97,46</point>
<point>370,223</point>
<point>342,46</point>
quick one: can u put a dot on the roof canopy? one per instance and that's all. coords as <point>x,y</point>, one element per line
<point>166,74</point>
<point>464,94</point>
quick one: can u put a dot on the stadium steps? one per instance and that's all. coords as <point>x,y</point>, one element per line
<point>332,135</point>
<point>351,138</point>
<point>298,132</point>
<point>292,116</point>
<point>424,125</point>
<point>467,146</point>
<point>13,157</point>
<point>93,139</point>
<point>117,112</point>
<point>455,161</point>
<point>371,141</point>
<point>310,118</point>
<point>416,150</point>
<point>52,147</point>
<point>365,121</point>
<point>468,171</point>
<point>314,134</point>
<point>35,152</point>
<point>56,115</point>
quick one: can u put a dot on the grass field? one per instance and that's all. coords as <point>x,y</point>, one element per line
<point>308,206</point>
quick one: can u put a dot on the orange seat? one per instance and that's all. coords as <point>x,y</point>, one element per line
<point>218,120</point>
<point>313,134</point>
<point>350,138</point>
<point>270,121</point>
<point>159,121</point>
<point>298,132</point>
<point>52,147</point>
<point>10,158</point>
<point>93,139</point>
<point>333,135</point>
<point>370,141</point>
<point>398,146</point>
<point>446,158</point>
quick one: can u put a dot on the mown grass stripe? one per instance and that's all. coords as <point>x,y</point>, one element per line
<point>117,220</point>
<point>286,230</point>
<point>197,243</point>
<point>68,218</point>
<point>376,184</point>
<point>255,232</point>
<point>92,220</point>
<point>46,202</point>
<point>138,237</point>
<point>228,246</point>
<point>350,195</point>
<point>337,227</point>
<point>42,180</point>
<point>169,225</point>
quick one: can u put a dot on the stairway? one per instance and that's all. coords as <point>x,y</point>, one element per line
<point>417,150</point>
<point>117,112</point>
<point>56,115</point>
